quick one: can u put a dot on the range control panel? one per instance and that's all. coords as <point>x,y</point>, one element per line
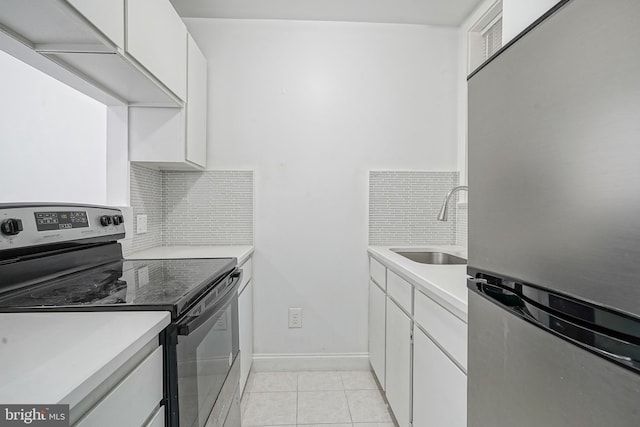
<point>32,225</point>
<point>61,220</point>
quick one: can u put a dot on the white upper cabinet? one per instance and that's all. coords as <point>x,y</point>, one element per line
<point>59,23</point>
<point>174,138</point>
<point>106,15</point>
<point>117,52</point>
<point>196,105</point>
<point>157,39</point>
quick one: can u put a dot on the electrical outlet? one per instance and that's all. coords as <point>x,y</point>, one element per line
<point>141,224</point>
<point>295,317</point>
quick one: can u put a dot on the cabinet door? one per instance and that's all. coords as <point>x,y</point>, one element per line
<point>157,135</point>
<point>245,317</point>
<point>196,105</point>
<point>106,15</point>
<point>398,359</point>
<point>439,386</point>
<point>377,315</point>
<point>157,38</point>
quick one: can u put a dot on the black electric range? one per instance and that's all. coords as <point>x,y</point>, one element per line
<point>168,284</point>
<point>58,257</point>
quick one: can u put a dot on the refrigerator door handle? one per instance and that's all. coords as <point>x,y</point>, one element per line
<point>610,344</point>
<point>505,298</point>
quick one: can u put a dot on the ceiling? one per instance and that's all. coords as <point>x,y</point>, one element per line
<point>428,12</point>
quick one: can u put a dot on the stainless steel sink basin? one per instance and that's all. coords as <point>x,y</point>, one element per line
<point>439,258</point>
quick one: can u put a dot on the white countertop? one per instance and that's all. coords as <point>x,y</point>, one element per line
<point>446,284</point>
<point>62,357</point>
<point>167,252</point>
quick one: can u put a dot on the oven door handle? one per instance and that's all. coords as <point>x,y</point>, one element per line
<point>193,322</point>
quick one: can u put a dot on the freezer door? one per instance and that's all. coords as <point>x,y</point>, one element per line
<point>554,156</point>
<point>521,375</point>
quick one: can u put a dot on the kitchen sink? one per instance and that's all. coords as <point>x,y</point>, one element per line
<point>438,258</point>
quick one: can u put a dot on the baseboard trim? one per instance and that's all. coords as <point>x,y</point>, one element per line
<point>311,362</point>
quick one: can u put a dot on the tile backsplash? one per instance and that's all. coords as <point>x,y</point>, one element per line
<point>192,208</point>
<point>146,199</point>
<point>461,224</point>
<point>403,206</point>
<point>216,206</point>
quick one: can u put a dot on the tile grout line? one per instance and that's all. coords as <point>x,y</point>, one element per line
<point>346,398</point>
<point>297,401</point>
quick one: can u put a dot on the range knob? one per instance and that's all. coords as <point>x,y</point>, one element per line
<point>11,226</point>
<point>105,220</point>
<point>118,219</point>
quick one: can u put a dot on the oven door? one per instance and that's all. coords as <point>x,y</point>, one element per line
<point>206,349</point>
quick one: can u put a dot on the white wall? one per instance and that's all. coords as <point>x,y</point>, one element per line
<point>519,14</point>
<point>312,107</point>
<point>52,139</point>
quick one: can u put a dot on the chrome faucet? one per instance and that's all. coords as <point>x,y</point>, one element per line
<point>444,210</point>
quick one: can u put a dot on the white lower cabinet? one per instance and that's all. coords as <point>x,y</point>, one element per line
<point>245,318</point>
<point>439,386</point>
<point>377,318</point>
<point>425,385</point>
<point>398,362</point>
<point>133,400</point>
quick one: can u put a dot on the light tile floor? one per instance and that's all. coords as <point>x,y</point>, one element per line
<point>314,399</point>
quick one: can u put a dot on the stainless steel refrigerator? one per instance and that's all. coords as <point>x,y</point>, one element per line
<point>554,223</point>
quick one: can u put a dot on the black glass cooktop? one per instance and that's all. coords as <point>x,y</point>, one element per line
<point>171,284</point>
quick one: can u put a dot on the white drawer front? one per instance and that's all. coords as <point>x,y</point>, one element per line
<point>444,327</point>
<point>400,290</point>
<point>377,272</point>
<point>132,401</point>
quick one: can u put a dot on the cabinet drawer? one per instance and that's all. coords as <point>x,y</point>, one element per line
<point>132,401</point>
<point>400,290</point>
<point>444,327</point>
<point>377,271</point>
